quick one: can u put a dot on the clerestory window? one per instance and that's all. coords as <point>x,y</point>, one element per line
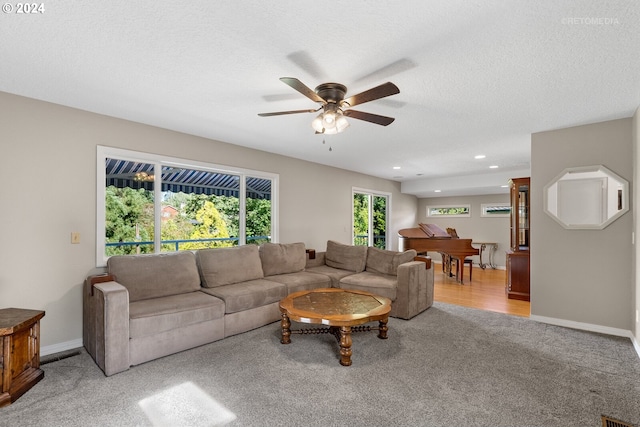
<point>150,203</point>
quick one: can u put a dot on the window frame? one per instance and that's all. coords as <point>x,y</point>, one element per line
<point>158,160</point>
<point>467,214</point>
<point>486,207</point>
<point>371,194</point>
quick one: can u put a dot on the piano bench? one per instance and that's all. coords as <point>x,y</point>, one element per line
<point>465,261</point>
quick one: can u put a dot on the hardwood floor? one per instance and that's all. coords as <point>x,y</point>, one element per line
<point>486,291</point>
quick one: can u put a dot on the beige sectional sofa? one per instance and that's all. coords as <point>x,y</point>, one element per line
<point>395,275</point>
<point>150,306</point>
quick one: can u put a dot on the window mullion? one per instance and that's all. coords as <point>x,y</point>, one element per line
<point>371,230</point>
<point>242,226</point>
<point>157,207</point>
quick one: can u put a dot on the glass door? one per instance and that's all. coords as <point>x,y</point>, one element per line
<point>370,217</point>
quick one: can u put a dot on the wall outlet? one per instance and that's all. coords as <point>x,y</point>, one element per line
<point>75,238</point>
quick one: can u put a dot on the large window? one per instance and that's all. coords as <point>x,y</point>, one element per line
<point>370,216</point>
<point>149,204</point>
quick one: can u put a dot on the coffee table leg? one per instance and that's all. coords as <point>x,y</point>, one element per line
<point>345,345</point>
<point>286,331</point>
<point>383,328</point>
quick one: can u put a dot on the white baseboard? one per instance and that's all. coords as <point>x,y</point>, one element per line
<point>589,327</point>
<point>60,347</point>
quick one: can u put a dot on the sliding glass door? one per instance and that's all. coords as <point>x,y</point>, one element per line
<point>370,217</point>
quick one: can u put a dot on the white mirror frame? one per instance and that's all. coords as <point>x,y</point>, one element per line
<point>588,206</point>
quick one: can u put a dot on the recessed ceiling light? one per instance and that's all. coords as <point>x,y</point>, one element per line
<point>480,156</point>
<point>493,167</point>
<point>396,167</point>
<point>504,186</point>
<point>438,191</point>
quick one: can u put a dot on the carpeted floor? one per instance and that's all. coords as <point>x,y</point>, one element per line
<point>449,366</point>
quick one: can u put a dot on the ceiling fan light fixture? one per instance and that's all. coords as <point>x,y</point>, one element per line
<point>316,124</point>
<point>341,123</point>
<point>330,122</point>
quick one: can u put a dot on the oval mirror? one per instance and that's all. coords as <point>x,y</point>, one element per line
<point>587,197</point>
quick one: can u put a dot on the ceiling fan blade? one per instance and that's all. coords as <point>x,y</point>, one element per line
<point>302,88</point>
<point>385,89</point>
<point>280,113</point>
<point>396,67</point>
<point>368,117</point>
<point>303,60</point>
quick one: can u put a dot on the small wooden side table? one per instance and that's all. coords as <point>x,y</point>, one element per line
<point>19,352</point>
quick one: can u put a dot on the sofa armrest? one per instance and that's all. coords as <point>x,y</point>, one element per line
<point>425,259</point>
<point>415,289</point>
<point>106,324</point>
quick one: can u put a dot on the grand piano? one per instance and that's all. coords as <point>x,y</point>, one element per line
<point>431,238</point>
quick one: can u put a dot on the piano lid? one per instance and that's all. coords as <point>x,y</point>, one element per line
<point>425,231</point>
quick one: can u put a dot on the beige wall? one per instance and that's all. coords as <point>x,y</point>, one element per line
<point>48,175</point>
<point>476,227</point>
<point>581,276</point>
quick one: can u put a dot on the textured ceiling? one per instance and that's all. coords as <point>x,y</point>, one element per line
<point>475,77</point>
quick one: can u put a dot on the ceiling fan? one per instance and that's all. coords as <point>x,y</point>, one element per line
<point>332,120</point>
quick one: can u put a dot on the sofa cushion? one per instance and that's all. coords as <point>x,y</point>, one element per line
<point>282,258</point>
<point>387,262</point>
<point>225,266</point>
<point>346,257</point>
<point>379,284</point>
<point>249,294</point>
<point>302,281</point>
<point>334,274</point>
<point>155,275</point>
<point>156,315</point>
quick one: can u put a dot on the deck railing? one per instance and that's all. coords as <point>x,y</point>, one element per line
<point>177,242</point>
<point>363,240</point>
<point>359,240</point>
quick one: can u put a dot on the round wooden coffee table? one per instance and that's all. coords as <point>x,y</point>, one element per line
<point>342,310</point>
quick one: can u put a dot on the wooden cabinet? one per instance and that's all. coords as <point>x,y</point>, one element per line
<point>20,352</point>
<point>518,275</point>
<point>518,255</point>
